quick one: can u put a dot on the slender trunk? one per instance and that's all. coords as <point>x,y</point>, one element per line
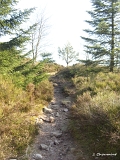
<point>112,42</point>
<point>33,54</point>
<point>67,57</point>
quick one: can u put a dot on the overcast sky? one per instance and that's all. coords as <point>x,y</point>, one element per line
<point>66,18</point>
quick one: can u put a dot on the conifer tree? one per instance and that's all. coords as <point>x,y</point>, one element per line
<point>47,57</point>
<point>10,23</point>
<point>12,59</point>
<point>104,35</point>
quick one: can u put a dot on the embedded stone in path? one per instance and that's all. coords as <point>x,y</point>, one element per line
<point>44,147</point>
<point>55,106</point>
<point>51,143</point>
<point>37,156</point>
<point>57,114</point>
<point>39,122</point>
<point>44,118</point>
<point>47,110</point>
<point>55,84</point>
<point>65,110</point>
<point>53,102</point>
<point>52,119</point>
<point>57,134</point>
<point>56,142</point>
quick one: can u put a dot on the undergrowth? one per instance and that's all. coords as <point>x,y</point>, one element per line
<point>95,115</point>
<point>18,109</point>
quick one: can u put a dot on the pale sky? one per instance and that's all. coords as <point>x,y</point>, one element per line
<point>66,20</point>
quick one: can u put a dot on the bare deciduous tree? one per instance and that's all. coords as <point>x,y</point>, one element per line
<point>38,36</point>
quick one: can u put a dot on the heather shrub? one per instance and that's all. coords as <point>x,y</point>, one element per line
<point>17,107</point>
<point>95,120</point>
<point>44,91</point>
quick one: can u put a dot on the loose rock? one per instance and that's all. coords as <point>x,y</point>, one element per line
<point>47,110</point>
<point>56,142</point>
<point>55,107</point>
<point>44,118</point>
<point>44,147</point>
<point>53,102</point>
<point>51,143</point>
<point>37,156</point>
<point>65,110</point>
<point>57,114</point>
<point>57,134</point>
<point>55,84</point>
<point>52,119</point>
<point>39,122</point>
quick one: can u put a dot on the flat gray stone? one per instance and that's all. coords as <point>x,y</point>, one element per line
<point>55,107</point>
<point>56,142</point>
<point>44,147</point>
<point>65,110</point>
<point>57,134</point>
<point>57,114</point>
<point>37,156</point>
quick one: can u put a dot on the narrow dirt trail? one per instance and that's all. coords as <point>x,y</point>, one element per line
<point>54,142</point>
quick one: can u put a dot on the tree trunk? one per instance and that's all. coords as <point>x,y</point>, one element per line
<point>112,43</point>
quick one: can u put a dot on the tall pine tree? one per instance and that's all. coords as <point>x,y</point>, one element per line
<point>104,35</point>
<point>10,24</point>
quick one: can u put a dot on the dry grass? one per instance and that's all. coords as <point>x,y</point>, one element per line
<point>17,107</point>
<point>95,115</point>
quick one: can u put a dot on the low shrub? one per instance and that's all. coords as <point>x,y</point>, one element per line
<point>17,107</point>
<point>44,91</point>
<point>95,120</point>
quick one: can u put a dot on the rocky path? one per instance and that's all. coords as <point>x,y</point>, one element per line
<point>54,142</point>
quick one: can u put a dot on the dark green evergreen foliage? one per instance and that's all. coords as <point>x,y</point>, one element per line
<point>26,73</point>
<point>47,57</point>
<point>33,73</point>
<point>11,18</point>
<point>12,60</point>
<point>8,60</point>
<point>103,41</point>
<point>19,40</point>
